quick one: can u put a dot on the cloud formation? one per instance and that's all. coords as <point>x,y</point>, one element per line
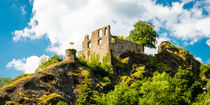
<point>208,42</point>
<point>22,8</point>
<point>155,50</point>
<point>27,65</point>
<point>64,21</point>
<point>199,59</point>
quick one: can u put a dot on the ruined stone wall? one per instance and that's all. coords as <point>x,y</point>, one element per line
<point>101,43</point>
<point>121,46</point>
<point>98,44</point>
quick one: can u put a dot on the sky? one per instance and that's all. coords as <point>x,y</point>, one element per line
<point>33,29</point>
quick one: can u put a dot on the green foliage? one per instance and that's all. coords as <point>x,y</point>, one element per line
<point>44,99</point>
<point>4,80</point>
<point>186,84</point>
<point>99,70</point>
<point>175,50</point>
<point>161,89</point>
<point>163,68</point>
<point>16,80</point>
<point>205,72</point>
<point>107,67</point>
<point>107,84</point>
<point>156,87</point>
<point>203,99</point>
<point>122,37</point>
<point>122,95</point>
<point>61,103</point>
<point>113,40</point>
<point>19,77</point>
<point>138,72</point>
<point>158,91</point>
<point>45,63</point>
<point>144,34</point>
<point>73,51</point>
<point>86,96</point>
<point>152,63</point>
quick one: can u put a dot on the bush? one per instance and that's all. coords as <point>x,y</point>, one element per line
<point>61,103</point>
<point>4,81</point>
<point>45,63</point>
<point>122,95</point>
<point>86,95</point>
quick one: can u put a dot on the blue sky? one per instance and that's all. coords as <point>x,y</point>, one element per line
<point>30,29</point>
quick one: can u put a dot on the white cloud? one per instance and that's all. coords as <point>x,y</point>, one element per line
<point>23,11</point>
<point>64,21</point>
<point>155,50</point>
<point>208,42</point>
<point>27,65</point>
<point>199,59</point>
<point>164,34</point>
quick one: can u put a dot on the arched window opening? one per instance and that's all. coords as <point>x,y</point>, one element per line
<point>89,45</point>
<point>99,41</point>
<point>100,33</point>
<point>105,32</point>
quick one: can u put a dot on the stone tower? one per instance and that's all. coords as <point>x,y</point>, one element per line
<point>69,56</point>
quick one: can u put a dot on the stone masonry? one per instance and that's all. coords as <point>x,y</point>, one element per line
<point>102,42</point>
<point>69,56</point>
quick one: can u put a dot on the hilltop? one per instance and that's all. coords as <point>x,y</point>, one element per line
<point>173,76</point>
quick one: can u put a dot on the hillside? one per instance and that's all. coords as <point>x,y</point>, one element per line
<point>172,76</point>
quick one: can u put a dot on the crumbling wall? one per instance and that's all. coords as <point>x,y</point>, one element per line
<point>119,46</point>
<point>98,44</point>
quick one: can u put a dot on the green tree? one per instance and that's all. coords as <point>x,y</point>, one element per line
<point>86,96</point>
<point>188,87</point>
<point>203,99</point>
<point>158,91</point>
<point>144,34</point>
<point>4,81</point>
<point>122,95</point>
<point>45,63</point>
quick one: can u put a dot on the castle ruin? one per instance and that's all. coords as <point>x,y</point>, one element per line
<point>103,42</point>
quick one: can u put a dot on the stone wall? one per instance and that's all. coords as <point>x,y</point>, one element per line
<point>98,43</point>
<point>101,43</point>
<point>121,46</point>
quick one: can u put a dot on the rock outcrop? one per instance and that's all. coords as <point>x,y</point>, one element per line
<point>43,87</point>
<point>175,57</point>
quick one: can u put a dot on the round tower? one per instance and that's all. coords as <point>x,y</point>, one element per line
<point>69,56</point>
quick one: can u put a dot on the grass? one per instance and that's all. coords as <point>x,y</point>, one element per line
<point>12,103</point>
<point>126,79</point>
<point>125,60</point>
<point>85,73</point>
<point>44,99</point>
<point>50,66</point>
<point>17,80</point>
<point>138,72</point>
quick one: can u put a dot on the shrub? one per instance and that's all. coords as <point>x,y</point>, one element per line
<point>52,60</point>
<point>44,99</point>
<point>61,103</point>
<point>86,95</point>
<point>4,81</point>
